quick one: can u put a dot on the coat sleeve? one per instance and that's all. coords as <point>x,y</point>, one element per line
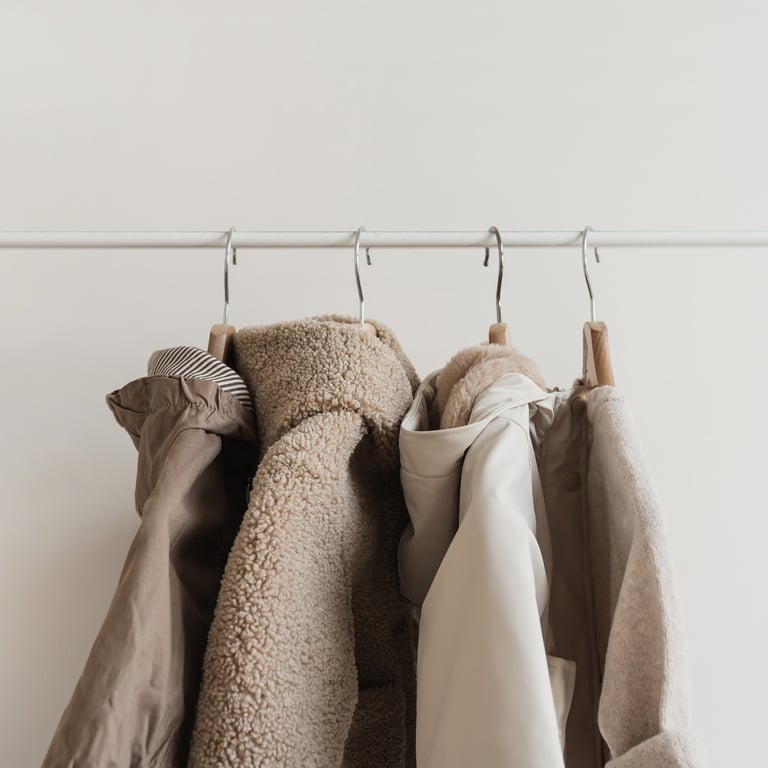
<point>134,701</point>
<point>485,695</point>
<point>644,710</point>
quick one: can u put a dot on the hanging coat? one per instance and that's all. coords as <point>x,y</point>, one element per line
<point>536,538</point>
<point>192,422</point>
<point>311,654</point>
<point>477,558</point>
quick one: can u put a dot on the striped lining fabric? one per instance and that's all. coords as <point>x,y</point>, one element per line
<point>194,363</point>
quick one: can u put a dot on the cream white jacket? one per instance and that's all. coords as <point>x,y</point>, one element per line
<point>537,553</point>
<point>476,557</point>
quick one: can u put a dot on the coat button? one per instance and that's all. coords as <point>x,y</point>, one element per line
<point>573,480</point>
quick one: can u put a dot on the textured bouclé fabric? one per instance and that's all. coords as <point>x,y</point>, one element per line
<point>311,655</point>
<point>643,711</point>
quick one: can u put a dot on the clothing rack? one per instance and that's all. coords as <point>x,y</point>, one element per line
<point>382,239</point>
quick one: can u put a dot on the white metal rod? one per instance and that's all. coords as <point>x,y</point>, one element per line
<point>373,239</point>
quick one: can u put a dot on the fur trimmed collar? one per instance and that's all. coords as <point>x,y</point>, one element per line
<point>472,370</point>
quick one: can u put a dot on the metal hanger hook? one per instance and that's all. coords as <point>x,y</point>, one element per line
<point>587,230</point>
<point>357,272</point>
<point>230,257</point>
<point>500,246</point>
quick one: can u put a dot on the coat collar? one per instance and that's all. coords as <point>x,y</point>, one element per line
<point>432,452</point>
<point>471,371</point>
<point>295,370</point>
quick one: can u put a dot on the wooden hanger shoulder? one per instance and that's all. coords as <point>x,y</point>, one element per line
<point>497,334</point>
<point>220,341</point>
<point>598,370</point>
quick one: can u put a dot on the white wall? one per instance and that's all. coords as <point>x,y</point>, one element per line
<point>396,115</point>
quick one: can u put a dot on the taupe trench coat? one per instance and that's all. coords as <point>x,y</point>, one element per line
<point>134,702</point>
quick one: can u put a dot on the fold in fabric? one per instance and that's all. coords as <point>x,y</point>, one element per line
<point>311,655</point>
<point>134,702</point>
<point>477,555</point>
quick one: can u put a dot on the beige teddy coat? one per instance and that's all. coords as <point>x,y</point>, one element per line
<point>311,655</point>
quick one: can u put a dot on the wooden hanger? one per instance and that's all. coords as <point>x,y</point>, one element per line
<point>222,335</point>
<point>497,333</point>
<point>220,341</point>
<point>364,327</point>
<point>597,369</point>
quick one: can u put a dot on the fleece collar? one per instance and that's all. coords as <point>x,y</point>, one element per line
<point>295,370</point>
<point>472,370</point>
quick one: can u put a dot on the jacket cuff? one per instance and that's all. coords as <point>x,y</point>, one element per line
<point>193,363</point>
